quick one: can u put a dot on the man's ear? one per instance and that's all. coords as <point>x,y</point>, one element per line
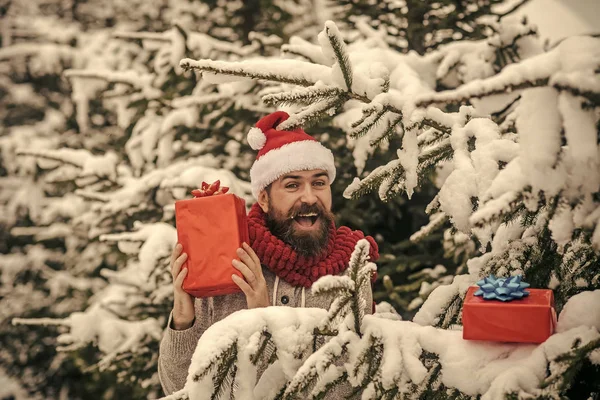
<point>263,200</point>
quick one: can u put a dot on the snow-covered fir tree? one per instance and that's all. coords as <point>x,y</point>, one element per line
<point>518,131</point>
<point>103,130</point>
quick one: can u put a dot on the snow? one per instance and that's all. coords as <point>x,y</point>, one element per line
<point>540,140</point>
<point>435,221</point>
<point>292,71</point>
<point>331,282</point>
<point>112,334</point>
<point>473,367</point>
<point>408,157</point>
<point>582,152</point>
<point>439,299</point>
<point>291,330</point>
<point>580,310</point>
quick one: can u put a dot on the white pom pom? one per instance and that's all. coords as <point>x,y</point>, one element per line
<point>256,138</point>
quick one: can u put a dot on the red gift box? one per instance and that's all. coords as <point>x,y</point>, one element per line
<point>531,319</point>
<point>211,229</point>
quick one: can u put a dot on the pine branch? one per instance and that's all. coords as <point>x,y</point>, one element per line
<point>512,9</point>
<point>370,357</point>
<point>304,96</point>
<point>393,173</point>
<point>226,371</point>
<point>428,158</point>
<point>95,196</point>
<point>389,131</point>
<point>312,53</point>
<point>320,394</point>
<point>266,340</point>
<point>55,155</point>
<point>130,78</point>
<point>464,95</point>
<point>341,55</point>
<point>430,385</point>
<point>315,365</point>
<point>333,291</point>
<point>40,321</point>
<point>435,222</point>
<point>507,206</point>
<point>337,307</point>
<point>358,261</point>
<point>446,130</point>
<point>562,83</point>
<point>291,72</point>
<point>213,363</point>
<point>497,116</point>
<point>430,137</point>
<point>154,36</point>
<point>452,313</point>
<point>372,114</point>
<point>574,360</point>
<point>312,113</point>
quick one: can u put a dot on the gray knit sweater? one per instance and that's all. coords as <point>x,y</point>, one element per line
<point>177,347</point>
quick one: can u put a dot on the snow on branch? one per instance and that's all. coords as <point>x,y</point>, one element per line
<point>313,112</point>
<point>302,48</point>
<point>392,357</point>
<point>135,194</point>
<point>436,221</point>
<point>305,96</point>
<point>285,71</point>
<point>103,166</point>
<point>532,72</point>
<point>280,341</point>
<point>579,83</point>
<point>98,326</point>
<point>335,49</point>
<point>131,78</point>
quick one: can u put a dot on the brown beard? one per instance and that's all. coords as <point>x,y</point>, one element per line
<point>307,244</point>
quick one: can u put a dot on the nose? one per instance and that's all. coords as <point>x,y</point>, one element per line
<point>308,195</point>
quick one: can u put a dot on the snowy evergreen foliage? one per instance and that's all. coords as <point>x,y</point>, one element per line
<point>279,353</point>
<point>522,148</point>
<point>101,132</point>
<point>421,26</point>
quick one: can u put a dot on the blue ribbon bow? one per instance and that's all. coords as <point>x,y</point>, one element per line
<point>504,289</point>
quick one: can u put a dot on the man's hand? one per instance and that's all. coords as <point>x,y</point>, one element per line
<point>254,286</point>
<point>183,304</point>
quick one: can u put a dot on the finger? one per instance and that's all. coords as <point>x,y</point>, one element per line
<point>177,264</point>
<point>252,254</point>
<point>247,272</point>
<point>247,259</point>
<point>242,284</point>
<point>180,277</point>
<point>175,253</point>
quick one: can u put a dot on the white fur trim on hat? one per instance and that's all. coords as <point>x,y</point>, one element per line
<point>296,156</point>
<point>256,138</point>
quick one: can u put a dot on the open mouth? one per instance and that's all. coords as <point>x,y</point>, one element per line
<point>306,220</point>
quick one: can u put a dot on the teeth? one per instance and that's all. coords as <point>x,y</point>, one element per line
<point>306,215</point>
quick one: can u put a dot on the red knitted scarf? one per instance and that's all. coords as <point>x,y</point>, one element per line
<point>298,270</point>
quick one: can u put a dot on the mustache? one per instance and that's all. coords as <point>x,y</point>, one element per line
<point>306,209</point>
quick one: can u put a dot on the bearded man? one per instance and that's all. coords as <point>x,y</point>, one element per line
<point>293,242</point>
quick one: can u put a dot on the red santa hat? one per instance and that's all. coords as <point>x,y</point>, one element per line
<point>282,152</point>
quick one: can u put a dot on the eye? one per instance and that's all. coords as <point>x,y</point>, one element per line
<point>291,186</point>
<point>319,183</point>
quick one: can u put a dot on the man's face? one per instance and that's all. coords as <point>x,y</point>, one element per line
<point>298,208</point>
